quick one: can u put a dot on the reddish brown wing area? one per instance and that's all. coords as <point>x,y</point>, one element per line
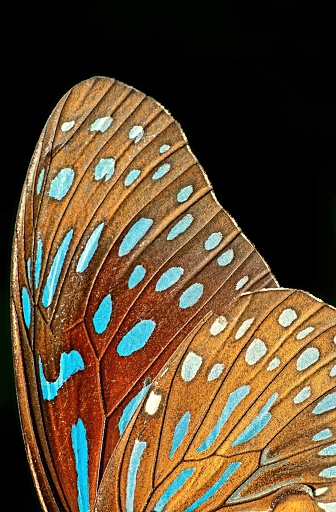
<point>120,249</point>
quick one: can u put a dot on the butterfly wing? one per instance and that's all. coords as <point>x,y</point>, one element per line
<point>120,248</point>
<point>244,409</point>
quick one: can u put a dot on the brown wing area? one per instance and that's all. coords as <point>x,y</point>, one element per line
<point>243,412</point>
<point>120,249</point>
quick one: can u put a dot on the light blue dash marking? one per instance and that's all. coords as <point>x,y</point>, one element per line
<point>324,434</point>
<point>89,249</point>
<point>329,472</point>
<point>329,450</point>
<point>180,227</point>
<point>225,258</point>
<point>40,182</point>
<point>38,262</point>
<point>130,409</point>
<point>101,124</point>
<point>213,240</point>
<point>134,235</point>
<point>258,423</point>
<point>69,365</point>
<point>136,133</point>
<point>55,271</point>
<point>61,184</point>
<point>29,269</point>
<point>333,371</point>
<point>184,194</point>
<point>233,400</point>
<point>169,278</point>
<point>137,275</point>
<point>181,430</point>
<point>222,480</point>
<point>81,451</point>
<point>161,171</point>
<point>104,168</point>
<point>327,404</point>
<point>191,295</point>
<point>303,395</point>
<point>164,148</point>
<point>103,315</point>
<point>131,177</point>
<point>26,306</point>
<point>255,351</point>
<point>179,481</point>
<point>138,449</point>
<point>215,371</point>
<point>136,338</point>
<point>307,358</point>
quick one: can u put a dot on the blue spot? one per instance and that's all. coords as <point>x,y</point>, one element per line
<point>105,167</point>
<point>136,338</point>
<point>67,125</point>
<point>213,240</point>
<point>225,258</point>
<point>103,314</point>
<point>307,358</point>
<point>26,306</point>
<point>324,434</point>
<point>137,231</point>
<point>184,194</point>
<point>164,148</point>
<point>215,371</point>
<point>162,170</point>
<point>131,177</point>
<point>180,227</point>
<point>181,430</point>
<point>38,262</point>
<point>190,366</point>
<point>55,271</point>
<point>138,449</point>
<point>40,182</point>
<point>303,395</point>
<point>256,350</point>
<point>69,365</point>
<point>329,472</point>
<point>191,295</point>
<point>130,409</point>
<point>173,488</point>
<point>327,404</point>
<point>233,400</point>
<point>101,124</point>
<point>28,269</point>
<point>223,479</point>
<point>89,249</point>
<point>169,278</point>
<point>81,451</point>
<point>137,275</point>
<point>61,184</point>
<point>136,133</point>
<point>258,423</point>
<point>329,450</point>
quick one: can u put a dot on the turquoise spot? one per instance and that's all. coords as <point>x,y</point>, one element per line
<point>38,262</point>
<point>101,124</point>
<point>131,177</point>
<point>40,182</point>
<point>81,451</point>
<point>104,168</point>
<point>61,184</point>
<point>179,481</point>
<point>137,275</point>
<point>184,194</point>
<point>180,227</point>
<point>28,269</point>
<point>137,231</point>
<point>327,404</point>
<point>191,295</point>
<point>164,148</point>
<point>233,401</point>
<point>26,306</point>
<point>136,133</point>
<point>130,409</point>
<point>213,240</point>
<point>103,315</point>
<point>258,423</point>
<point>161,171</point>
<point>69,365</point>
<point>329,472</point>
<point>169,278</point>
<point>89,249</point>
<point>307,358</point>
<point>55,271</point>
<point>225,258</point>
<point>223,479</point>
<point>136,338</point>
<point>324,434</point>
<point>215,371</point>
<point>329,450</point>
<point>181,430</point>
<point>138,449</point>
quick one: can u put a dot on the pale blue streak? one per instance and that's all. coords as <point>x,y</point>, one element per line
<point>40,182</point>
<point>191,295</point>
<point>80,448</point>
<point>89,249</point>
<point>307,358</point>
<point>101,124</point>
<point>28,269</point>
<point>323,434</point>
<point>130,409</point>
<point>134,235</point>
<point>181,430</point>
<point>69,365</point>
<point>169,278</point>
<point>180,227</point>
<point>61,184</point>
<point>179,481</point>
<point>329,450</point>
<point>162,170</point>
<point>328,472</point>
<point>38,262</point>
<point>131,177</point>
<point>213,240</point>
<point>136,338</point>
<point>184,194</point>
<point>103,315</point>
<point>26,306</point>
<point>104,168</point>
<point>225,258</point>
<point>327,404</point>
<point>138,449</point>
<point>137,275</point>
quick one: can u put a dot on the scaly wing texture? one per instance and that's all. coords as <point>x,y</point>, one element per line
<point>245,408</point>
<point>120,248</point>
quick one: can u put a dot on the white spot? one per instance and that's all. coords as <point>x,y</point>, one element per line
<point>273,364</point>
<point>255,351</point>
<point>242,282</point>
<point>218,326</point>
<point>164,148</point>
<point>152,403</point>
<point>287,317</point>
<point>302,334</point>
<point>190,367</point>
<point>67,126</point>
<point>136,133</point>
<point>333,371</point>
<point>334,339</point>
<point>320,491</point>
<point>303,395</point>
<point>328,507</point>
<point>215,371</point>
<point>101,124</point>
<point>243,328</point>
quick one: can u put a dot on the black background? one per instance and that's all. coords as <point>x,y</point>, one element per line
<point>253,85</point>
